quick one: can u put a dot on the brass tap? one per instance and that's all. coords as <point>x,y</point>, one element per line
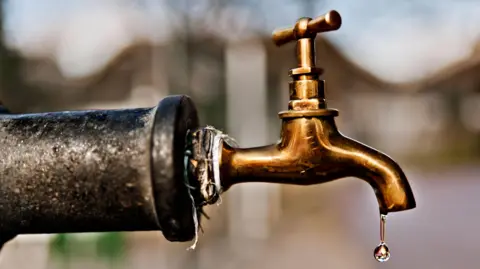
<point>311,150</point>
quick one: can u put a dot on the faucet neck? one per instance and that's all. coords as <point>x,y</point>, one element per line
<point>306,90</point>
<point>306,52</point>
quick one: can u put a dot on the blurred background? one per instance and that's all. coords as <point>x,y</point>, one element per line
<point>405,76</point>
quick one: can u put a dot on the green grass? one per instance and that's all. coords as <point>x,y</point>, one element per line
<point>105,247</point>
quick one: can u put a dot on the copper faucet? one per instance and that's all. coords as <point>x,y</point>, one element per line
<point>311,150</point>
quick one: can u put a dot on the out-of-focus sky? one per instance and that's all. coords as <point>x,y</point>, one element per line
<point>396,40</point>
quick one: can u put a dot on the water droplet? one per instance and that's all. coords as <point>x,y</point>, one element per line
<point>382,253</point>
<point>383,221</point>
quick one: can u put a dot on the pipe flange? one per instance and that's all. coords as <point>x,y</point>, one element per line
<point>174,118</point>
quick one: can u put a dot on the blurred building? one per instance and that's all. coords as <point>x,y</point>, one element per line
<point>157,66</point>
<point>442,111</point>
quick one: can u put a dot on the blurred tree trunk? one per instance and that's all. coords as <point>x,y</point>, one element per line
<point>14,93</point>
<point>10,63</point>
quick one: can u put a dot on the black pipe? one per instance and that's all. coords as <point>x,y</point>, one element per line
<point>96,171</point>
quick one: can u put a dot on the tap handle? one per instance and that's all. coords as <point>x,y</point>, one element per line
<point>307,27</point>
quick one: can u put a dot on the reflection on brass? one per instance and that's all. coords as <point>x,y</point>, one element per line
<point>311,149</point>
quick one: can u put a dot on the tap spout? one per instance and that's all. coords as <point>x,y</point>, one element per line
<point>384,175</point>
<point>312,151</point>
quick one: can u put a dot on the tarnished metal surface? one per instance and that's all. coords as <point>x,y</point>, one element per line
<point>94,171</point>
<point>311,150</point>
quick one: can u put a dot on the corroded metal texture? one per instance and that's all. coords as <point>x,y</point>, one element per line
<point>94,171</point>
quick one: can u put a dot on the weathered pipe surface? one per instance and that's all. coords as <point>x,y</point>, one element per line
<point>95,171</point>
